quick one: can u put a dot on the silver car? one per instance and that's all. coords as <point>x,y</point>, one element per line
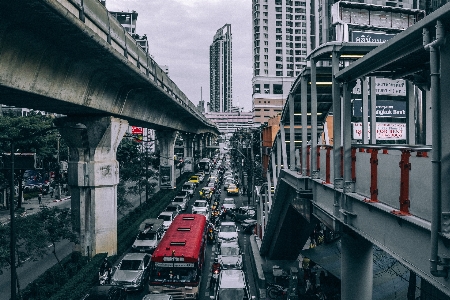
<point>132,271</point>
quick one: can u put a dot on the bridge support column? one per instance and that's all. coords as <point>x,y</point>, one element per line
<point>166,140</point>
<point>356,267</point>
<point>93,176</point>
<point>188,152</point>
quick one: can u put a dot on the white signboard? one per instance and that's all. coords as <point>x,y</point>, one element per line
<point>385,131</point>
<point>174,265</point>
<point>385,86</point>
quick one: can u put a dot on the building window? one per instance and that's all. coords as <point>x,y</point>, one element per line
<point>278,30</point>
<point>279,66</point>
<point>279,16</point>
<point>279,58</point>
<point>278,9</point>
<point>278,44</point>
<point>278,2</point>
<point>279,37</point>
<point>266,50</point>
<point>257,88</point>
<point>279,23</point>
<point>279,73</point>
<point>266,71</point>
<point>256,72</point>
<point>278,89</point>
<point>266,43</point>
<point>266,64</point>
<point>266,89</point>
<point>266,56</point>
<point>279,51</point>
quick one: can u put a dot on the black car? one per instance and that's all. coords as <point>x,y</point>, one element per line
<point>106,292</point>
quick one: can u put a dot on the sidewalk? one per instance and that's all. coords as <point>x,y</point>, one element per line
<point>265,269</point>
<point>32,206</point>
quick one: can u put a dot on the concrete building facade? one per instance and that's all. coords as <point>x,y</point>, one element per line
<point>220,76</point>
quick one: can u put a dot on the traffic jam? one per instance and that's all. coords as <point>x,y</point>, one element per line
<point>195,248</point>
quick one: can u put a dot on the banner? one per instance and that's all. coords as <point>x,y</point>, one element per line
<point>188,165</point>
<point>385,131</point>
<point>385,108</point>
<point>165,177</point>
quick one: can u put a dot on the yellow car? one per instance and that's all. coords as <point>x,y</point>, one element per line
<point>232,190</point>
<point>194,179</point>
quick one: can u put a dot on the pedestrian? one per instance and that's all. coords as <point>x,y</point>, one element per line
<point>39,198</point>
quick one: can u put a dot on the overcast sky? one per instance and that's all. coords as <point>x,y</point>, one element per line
<point>180,32</point>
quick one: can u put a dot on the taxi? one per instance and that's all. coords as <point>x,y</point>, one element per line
<point>233,190</point>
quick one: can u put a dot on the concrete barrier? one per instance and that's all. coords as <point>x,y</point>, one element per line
<point>257,269</point>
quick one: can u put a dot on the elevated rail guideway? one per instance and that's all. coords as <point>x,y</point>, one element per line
<point>73,58</point>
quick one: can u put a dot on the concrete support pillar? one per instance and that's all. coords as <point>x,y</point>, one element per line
<point>279,153</point>
<point>166,140</point>
<point>314,134</point>
<point>292,132</point>
<point>356,268</point>
<point>304,108</point>
<point>347,132</point>
<point>373,111</point>
<point>188,145</point>
<point>365,110</point>
<point>274,167</point>
<point>283,146</point>
<point>93,176</point>
<point>199,145</point>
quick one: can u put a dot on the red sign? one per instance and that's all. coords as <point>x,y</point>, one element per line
<point>136,130</point>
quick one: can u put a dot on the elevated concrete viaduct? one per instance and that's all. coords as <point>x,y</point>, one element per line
<point>374,194</point>
<point>71,57</point>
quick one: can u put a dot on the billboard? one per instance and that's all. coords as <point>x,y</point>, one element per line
<point>165,177</point>
<point>385,87</point>
<point>384,108</point>
<point>385,131</point>
<point>136,130</point>
<point>370,37</point>
<point>188,164</point>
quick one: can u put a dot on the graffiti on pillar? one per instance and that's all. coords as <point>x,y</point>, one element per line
<point>188,165</point>
<point>106,171</point>
<point>165,177</point>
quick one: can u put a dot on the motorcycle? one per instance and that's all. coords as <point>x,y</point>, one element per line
<point>211,237</point>
<point>275,290</point>
<point>104,278</point>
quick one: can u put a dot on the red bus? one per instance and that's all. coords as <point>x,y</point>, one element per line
<point>176,264</point>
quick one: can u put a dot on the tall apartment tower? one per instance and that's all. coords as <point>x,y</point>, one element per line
<point>220,71</point>
<point>279,53</point>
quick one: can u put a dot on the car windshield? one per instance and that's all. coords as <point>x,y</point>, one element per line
<point>200,204</point>
<point>228,228</point>
<point>171,208</point>
<point>146,236</point>
<point>178,200</point>
<point>231,294</point>
<point>232,186</point>
<point>131,265</point>
<point>173,274</point>
<point>229,250</point>
<point>228,201</point>
<point>165,217</point>
<point>187,187</point>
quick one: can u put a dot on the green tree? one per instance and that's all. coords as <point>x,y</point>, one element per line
<point>132,172</point>
<point>28,136</point>
<point>34,233</point>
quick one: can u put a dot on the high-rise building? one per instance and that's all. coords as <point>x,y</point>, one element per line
<point>220,71</point>
<point>279,53</point>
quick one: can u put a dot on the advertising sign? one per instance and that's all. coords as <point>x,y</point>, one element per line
<point>385,87</point>
<point>165,177</point>
<point>188,165</point>
<point>370,37</point>
<point>136,130</point>
<point>385,131</point>
<point>385,108</point>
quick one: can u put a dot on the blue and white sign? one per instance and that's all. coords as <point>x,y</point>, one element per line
<point>385,108</point>
<point>370,37</point>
